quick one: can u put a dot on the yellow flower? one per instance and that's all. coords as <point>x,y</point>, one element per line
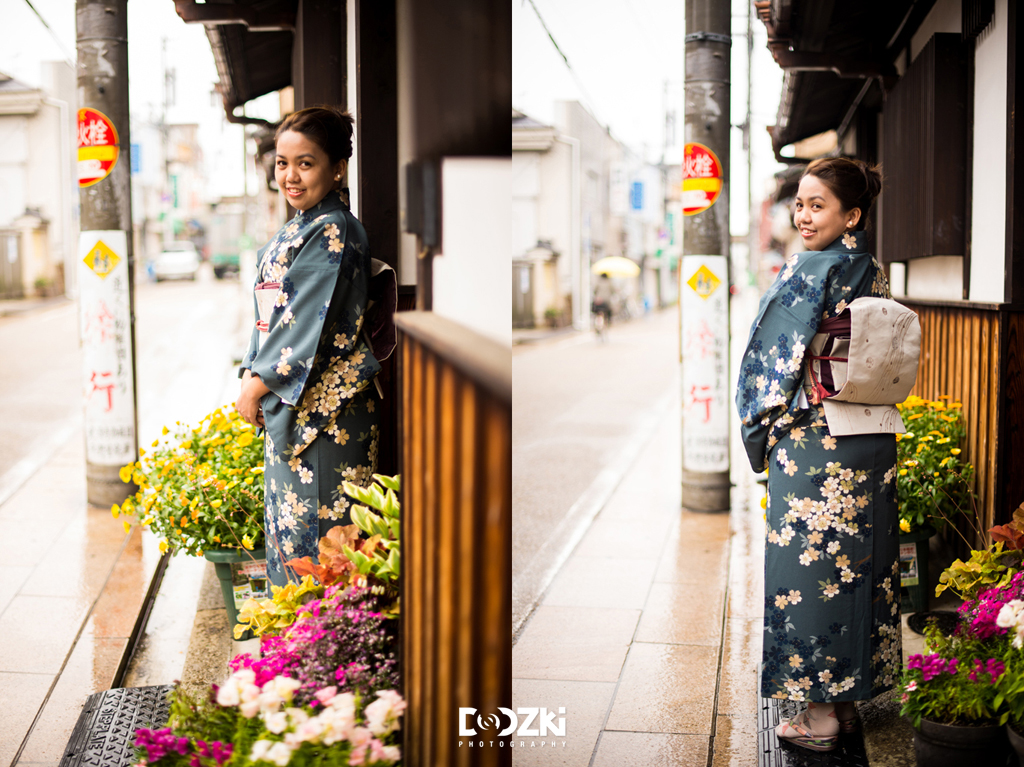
<point>956,405</point>
<point>142,451</point>
<point>247,542</point>
<point>126,507</point>
<point>115,511</point>
<point>138,478</point>
<point>248,480</point>
<point>915,416</point>
<point>156,443</point>
<point>125,473</point>
<point>216,539</point>
<point>935,473</point>
<point>764,502</point>
<point>257,470</point>
<point>904,525</point>
<point>164,431</point>
<point>126,526</point>
<point>910,463</point>
<point>216,504</point>
<point>942,441</point>
<point>163,546</point>
<point>955,451</point>
<point>245,439</point>
<point>935,433</point>
<point>943,462</point>
<point>903,472</point>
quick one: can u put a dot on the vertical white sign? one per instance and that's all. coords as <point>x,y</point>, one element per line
<point>705,349</point>
<point>106,347</point>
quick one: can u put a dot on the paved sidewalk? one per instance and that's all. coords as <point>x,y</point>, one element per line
<point>650,633</point>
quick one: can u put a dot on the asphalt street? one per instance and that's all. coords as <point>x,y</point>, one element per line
<point>583,410</point>
<point>186,336</point>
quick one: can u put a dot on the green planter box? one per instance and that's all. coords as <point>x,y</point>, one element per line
<point>914,584</point>
<point>235,583</point>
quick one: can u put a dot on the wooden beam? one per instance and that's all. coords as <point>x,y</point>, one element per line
<point>319,55</point>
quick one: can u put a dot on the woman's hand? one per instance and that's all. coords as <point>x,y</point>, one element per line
<point>248,405</point>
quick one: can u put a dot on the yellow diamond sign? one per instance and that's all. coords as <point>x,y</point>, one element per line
<point>704,282</point>
<point>101,259</point>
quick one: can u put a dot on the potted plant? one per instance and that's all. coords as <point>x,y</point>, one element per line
<point>201,491</point>
<point>366,554</point>
<point>952,698</point>
<point>932,485</point>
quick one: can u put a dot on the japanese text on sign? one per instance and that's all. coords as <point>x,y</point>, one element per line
<point>702,179</point>
<point>705,351</point>
<point>98,147</point>
<point>106,348</point>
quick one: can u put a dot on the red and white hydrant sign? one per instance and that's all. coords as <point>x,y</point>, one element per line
<point>98,147</point>
<point>106,347</point>
<point>702,179</point>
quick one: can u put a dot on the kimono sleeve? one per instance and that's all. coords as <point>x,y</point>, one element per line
<point>772,366</point>
<point>254,344</point>
<point>287,355</point>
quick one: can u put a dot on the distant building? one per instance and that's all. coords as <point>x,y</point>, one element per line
<point>38,184</point>
<point>579,195</point>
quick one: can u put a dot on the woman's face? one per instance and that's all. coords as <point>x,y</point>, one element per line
<point>818,216</point>
<point>303,170</point>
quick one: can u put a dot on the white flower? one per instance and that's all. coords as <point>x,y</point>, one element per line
<point>327,694</point>
<point>267,751</point>
<point>382,715</point>
<point>1009,614</point>
<point>276,722</point>
<point>391,753</point>
<point>249,709</point>
<point>228,694</point>
<point>280,754</point>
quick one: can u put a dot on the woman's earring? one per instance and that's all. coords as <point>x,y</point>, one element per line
<point>338,177</point>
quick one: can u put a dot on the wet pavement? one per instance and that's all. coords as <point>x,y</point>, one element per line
<point>72,582</point>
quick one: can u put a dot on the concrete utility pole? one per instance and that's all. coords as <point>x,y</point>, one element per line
<point>704,272</point>
<point>106,262</point>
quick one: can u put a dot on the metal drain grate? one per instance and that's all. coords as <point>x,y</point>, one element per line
<point>104,732</point>
<point>850,752</point>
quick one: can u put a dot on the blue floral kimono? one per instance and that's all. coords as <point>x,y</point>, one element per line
<point>831,608</point>
<point>322,411</point>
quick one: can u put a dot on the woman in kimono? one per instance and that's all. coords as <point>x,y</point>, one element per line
<point>831,609</point>
<point>308,374</point>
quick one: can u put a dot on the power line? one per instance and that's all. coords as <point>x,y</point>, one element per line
<point>67,55</point>
<point>575,77</point>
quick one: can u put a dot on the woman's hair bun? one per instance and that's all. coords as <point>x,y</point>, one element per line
<point>327,126</point>
<point>854,182</point>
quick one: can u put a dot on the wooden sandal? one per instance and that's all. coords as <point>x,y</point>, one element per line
<point>799,735</point>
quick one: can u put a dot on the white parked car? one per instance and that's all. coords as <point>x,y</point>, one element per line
<point>178,260</point>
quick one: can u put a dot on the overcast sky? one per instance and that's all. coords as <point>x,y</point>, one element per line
<point>624,54</point>
<point>27,43</point>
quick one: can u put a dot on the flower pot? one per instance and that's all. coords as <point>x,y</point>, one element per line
<point>1017,742</point>
<point>227,563</point>
<point>950,745</point>
<point>914,569</point>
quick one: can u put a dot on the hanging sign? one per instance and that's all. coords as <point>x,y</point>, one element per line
<point>705,375</point>
<point>702,179</point>
<point>98,147</point>
<point>106,347</point>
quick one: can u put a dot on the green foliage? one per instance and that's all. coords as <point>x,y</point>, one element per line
<point>986,568</point>
<point>946,692</point>
<point>382,562</point>
<point>202,487</point>
<point>347,559</point>
<point>270,616</point>
<point>933,482</point>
